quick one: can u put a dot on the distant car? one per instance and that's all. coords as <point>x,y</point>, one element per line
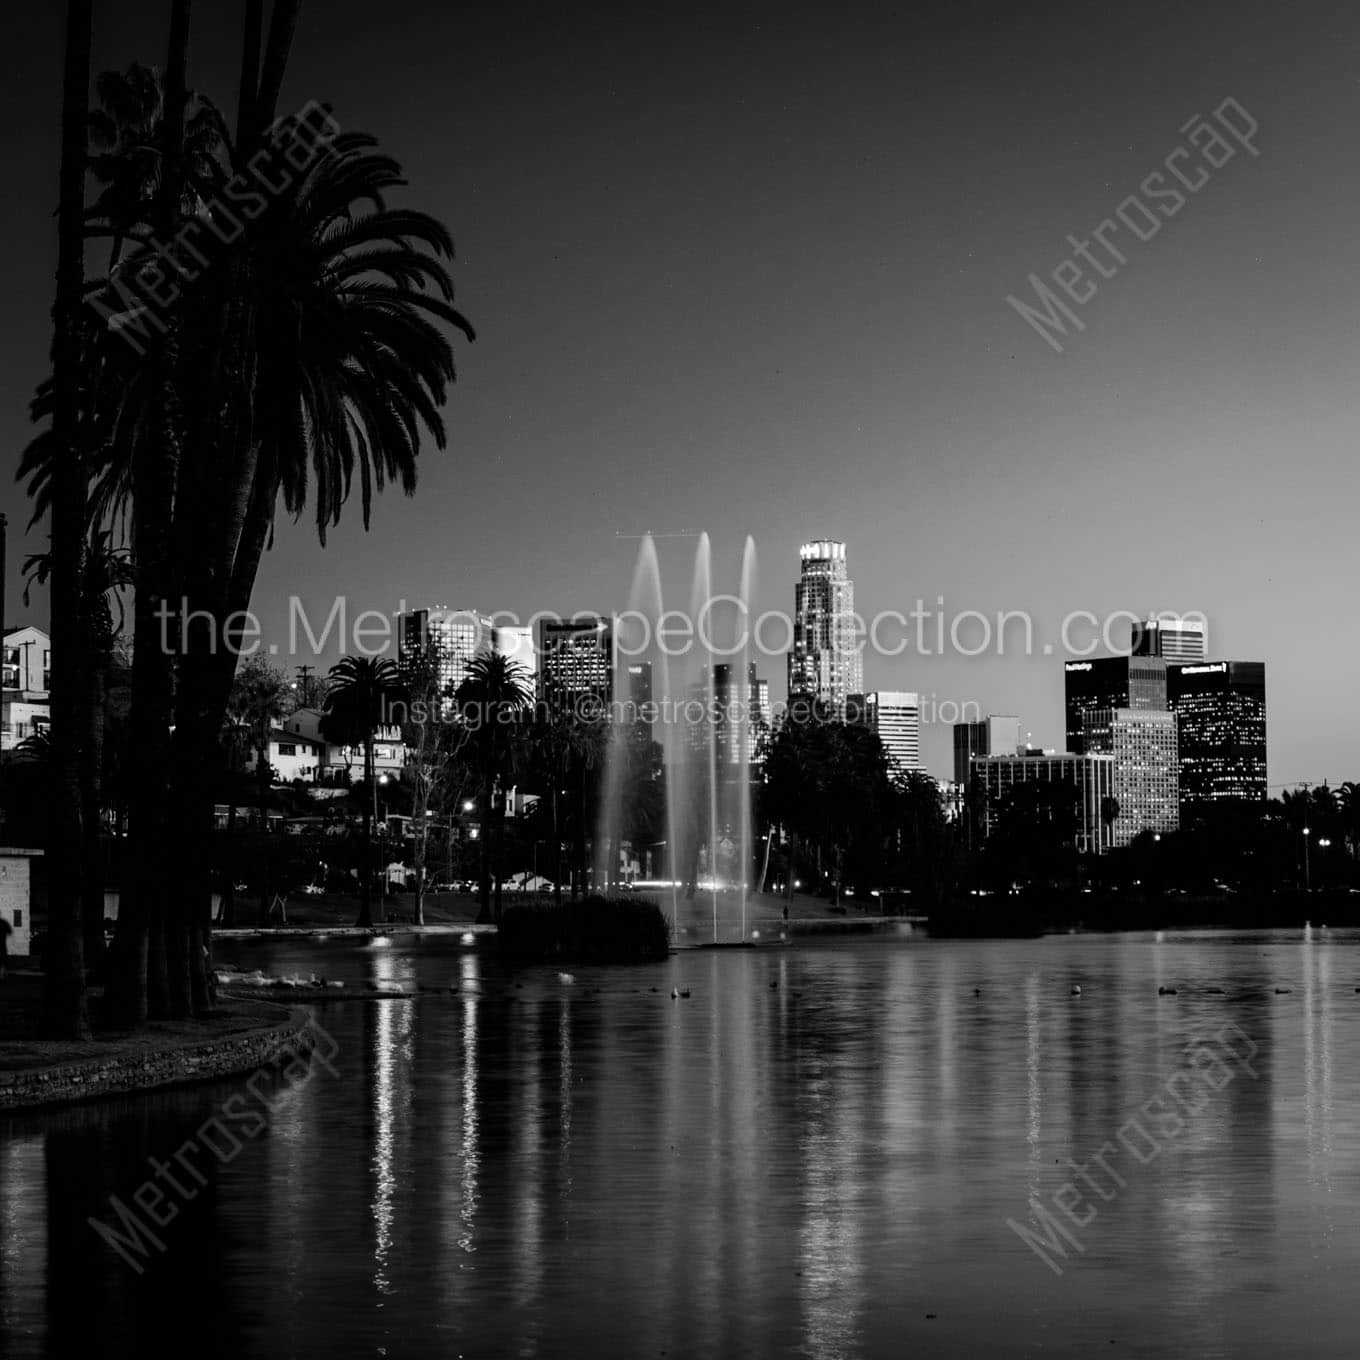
<point>312,889</point>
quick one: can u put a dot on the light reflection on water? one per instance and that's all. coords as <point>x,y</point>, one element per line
<point>530,1167</point>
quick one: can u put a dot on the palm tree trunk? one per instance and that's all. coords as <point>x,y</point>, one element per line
<point>92,867</point>
<point>64,1004</point>
<point>140,984</point>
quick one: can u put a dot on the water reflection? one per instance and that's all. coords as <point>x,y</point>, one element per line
<point>391,1109</point>
<point>817,1149</point>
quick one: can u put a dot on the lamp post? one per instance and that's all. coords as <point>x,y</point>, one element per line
<point>1307,866</point>
<point>381,782</point>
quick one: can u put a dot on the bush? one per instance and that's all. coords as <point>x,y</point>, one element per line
<point>595,930</point>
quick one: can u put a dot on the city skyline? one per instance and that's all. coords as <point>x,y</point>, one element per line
<point>918,416</point>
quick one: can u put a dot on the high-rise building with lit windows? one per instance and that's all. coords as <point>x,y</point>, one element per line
<point>454,636</point>
<point>576,664</point>
<point>825,661</point>
<point>1090,777</point>
<point>1146,784</point>
<point>1110,682</point>
<point>1220,709</point>
<point>895,716</point>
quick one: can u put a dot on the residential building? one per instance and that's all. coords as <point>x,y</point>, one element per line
<point>25,667</point>
<point>825,661</point>
<point>1220,709</point>
<point>338,763</point>
<point>1146,784</point>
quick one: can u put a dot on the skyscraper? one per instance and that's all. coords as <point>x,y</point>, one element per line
<point>824,662</point>
<point>1171,639</point>
<point>1142,742</point>
<point>740,715</point>
<point>454,636</point>
<point>637,695</point>
<point>896,717</point>
<point>576,664</point>
<point>998,734</point>
<point>1220,709</point>
<point>1110,682</point>
<point>517,643</point>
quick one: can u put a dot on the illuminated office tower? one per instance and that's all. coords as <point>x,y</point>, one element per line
<point>1220,709</point>
<point>638,712</point>
<point>517,644</point>
<point>1146,775</point>
<point>576,665</point>
<point>895,716</point>
<point>1091,777</point>
<point>1110,682</point>
<point>454,636</point>
<point>825,661</point>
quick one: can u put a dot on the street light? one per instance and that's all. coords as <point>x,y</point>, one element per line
<point>381,782</point>
<point>1307,867</point>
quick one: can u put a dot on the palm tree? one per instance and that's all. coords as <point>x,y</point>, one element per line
<point>307,354</point>
<point>492,700</point>
<point>549,752</point>
<point>359,700</point>
<point>65,1013</point>
<point>259,698</point>
<point>588,742</point>
<point>107,570</point>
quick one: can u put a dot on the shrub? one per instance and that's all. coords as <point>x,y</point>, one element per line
<point>595,930</point>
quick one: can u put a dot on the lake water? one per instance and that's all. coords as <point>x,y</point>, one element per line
<point>814,1154</point>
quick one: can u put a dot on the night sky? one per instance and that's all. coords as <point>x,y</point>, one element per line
<point>746,272</point>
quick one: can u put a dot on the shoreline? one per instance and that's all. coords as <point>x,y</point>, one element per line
<point>155,1060</point>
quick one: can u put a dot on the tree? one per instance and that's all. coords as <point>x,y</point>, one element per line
<point>360,699</point>
<point>435,744</point>
<point>105,572</point>
<point>259,698</point>
<point>65,1012</point>
<point>827,784</point>
<point>492,701</point>
<point>549,750</point>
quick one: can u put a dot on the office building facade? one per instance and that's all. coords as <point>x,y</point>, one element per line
<point>1174,640</point>
<point>1220,709</point>
<point>895,716</point>
<point>998,734</point>
<point>1091,776</point>
<point>1106,682</point>
<point>453,636</point>
<point>576,665</point>
<point>825,661</point>
<point>1146,784</point>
